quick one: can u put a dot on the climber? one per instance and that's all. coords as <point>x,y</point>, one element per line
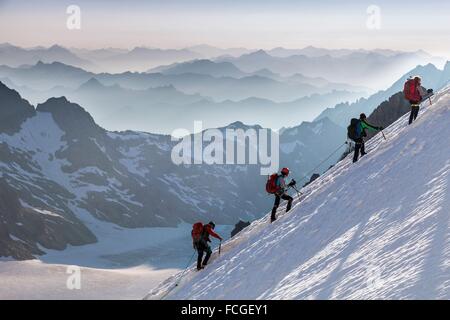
<point>414,93</point>
<point>200,236</point>
<point>356,131</point>
<point>280,191</point>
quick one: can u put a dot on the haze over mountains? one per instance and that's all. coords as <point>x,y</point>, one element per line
<point>154,101</point>
<point>310,61</point>
<point>374,69</point>
<point>218,86</point>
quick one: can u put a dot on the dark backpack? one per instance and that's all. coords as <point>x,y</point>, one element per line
<point>197,232</point>
<point>271,184</point>
<point>353,132</point>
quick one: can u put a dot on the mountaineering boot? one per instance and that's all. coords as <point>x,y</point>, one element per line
<point>273,215</point>
<point>289,205</point>
<point>200,268</point>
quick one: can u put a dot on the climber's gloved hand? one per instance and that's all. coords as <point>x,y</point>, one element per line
<point>292,183</point>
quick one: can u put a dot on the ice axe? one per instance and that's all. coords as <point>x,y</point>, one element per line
<point>220,246</point>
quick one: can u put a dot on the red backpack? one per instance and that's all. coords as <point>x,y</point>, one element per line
<point>271,185</point>
<point>197,231</point>
<point>409,90</point>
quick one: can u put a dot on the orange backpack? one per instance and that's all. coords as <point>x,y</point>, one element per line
<point>409,89</point>
<point>271,185</point>
<point>197,231</point>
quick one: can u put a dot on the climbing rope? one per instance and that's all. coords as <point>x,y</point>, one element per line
<point>323,161</point>
<point>180,278</point>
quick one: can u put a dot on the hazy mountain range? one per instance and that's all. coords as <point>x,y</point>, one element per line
<point>373,69</point>
<point>159,102</point>
<point>369,68</point>
<point>15,56</point>
<point>275,88</point>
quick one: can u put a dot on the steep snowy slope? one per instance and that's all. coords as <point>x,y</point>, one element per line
<point>375,229</point>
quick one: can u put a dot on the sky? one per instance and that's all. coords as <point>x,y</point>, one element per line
<point>404,25</point>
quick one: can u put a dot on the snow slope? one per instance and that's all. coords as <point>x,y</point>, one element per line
<point>377,229</point>
<point>33,279</point>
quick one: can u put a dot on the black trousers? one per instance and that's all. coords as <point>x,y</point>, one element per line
<point>414,112</point>
<point>277,204</point>
<point>359,148</point>
<point>201,249</point>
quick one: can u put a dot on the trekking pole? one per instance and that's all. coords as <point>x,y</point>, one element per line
<point>220,246</point>
<point>298,192</point>
<point>383,134</point>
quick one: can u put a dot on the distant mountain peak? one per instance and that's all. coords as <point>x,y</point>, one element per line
<point>6,90</point>
<point>5,44</point>
<point>264,71</point>
<point>71,117</point>
<point>168,87</point>
<point>138,49</point>
<point>54,100</point>
<point>200,66</point>
<point>241,125</point>
<point>13,109</point>
<point>55,65</point>
<point>447,67</point>
<point>61,106</point>
<point>259,53</point>
<point>92,83</point>
<point>56,47</point>
<point>310,48</point>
